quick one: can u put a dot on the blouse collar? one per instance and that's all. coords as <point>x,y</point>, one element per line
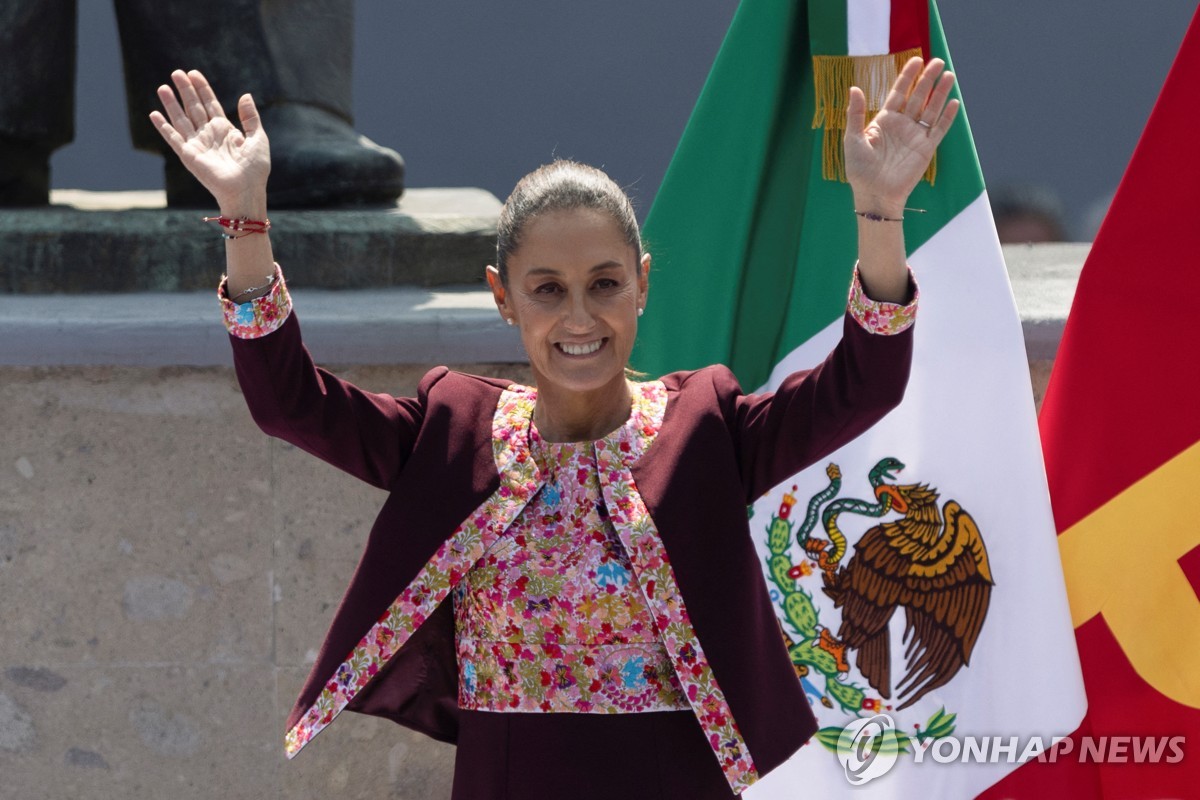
<point>512,426</point>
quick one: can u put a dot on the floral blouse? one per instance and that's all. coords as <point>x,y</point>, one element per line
<point>551,618</point>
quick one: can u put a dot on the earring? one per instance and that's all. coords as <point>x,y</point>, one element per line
<point>641,311</point>
<point>509,321</point>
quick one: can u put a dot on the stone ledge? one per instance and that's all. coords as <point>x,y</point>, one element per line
<point>1043,278</point>
<point>380,326</point>
<point>389,326</point>
<point>129,242</point>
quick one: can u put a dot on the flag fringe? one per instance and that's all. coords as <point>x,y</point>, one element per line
<point>833,76</point>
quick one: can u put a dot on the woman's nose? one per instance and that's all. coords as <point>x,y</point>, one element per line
<point>579,315</point>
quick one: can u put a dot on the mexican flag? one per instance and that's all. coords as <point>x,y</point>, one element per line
<point>754,240</point>
<point>1121,433</point>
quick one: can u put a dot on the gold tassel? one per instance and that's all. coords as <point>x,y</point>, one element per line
<point>833,76</point>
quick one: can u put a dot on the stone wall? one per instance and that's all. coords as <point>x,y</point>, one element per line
<point>166,574</point>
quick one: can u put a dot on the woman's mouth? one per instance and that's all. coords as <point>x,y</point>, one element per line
<point>581,348</point>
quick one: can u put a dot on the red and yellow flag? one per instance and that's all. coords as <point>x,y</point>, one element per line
<point>1121,433</point>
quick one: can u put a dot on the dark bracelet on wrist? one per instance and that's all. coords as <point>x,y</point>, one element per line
<point>871,215</point>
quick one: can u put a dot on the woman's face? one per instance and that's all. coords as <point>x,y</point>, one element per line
<point>574,289</point>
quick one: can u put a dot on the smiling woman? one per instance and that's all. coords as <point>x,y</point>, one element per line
<point>562,580</point>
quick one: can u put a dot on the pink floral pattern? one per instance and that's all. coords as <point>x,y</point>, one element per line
<point>613,679</point>
<point>550,619</point>
<point>875,316</point>
<point>257,317</point>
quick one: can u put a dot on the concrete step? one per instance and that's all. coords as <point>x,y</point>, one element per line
<point>130,242</point>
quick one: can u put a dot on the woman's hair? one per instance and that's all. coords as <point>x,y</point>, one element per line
<point>562,186</point>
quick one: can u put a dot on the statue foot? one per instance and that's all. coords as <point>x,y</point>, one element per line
<point>317,160</point>
<point>24,173</point>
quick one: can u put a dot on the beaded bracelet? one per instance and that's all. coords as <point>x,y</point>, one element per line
<point>239,227</point>
<point>871,215</point>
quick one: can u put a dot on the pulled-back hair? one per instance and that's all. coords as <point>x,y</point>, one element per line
<point>562,186</point>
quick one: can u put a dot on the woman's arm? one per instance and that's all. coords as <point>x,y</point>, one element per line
<point>815,412</point>
<point>369,435</point>
<point>366,434</point>
<point>885,159</point>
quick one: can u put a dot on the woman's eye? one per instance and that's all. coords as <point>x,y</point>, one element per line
<point>546,288</point>
<point>606,283</point>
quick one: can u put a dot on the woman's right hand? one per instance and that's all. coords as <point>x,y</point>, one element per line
<point>232,164</point>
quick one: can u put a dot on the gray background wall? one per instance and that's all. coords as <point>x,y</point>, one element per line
<point>478,93</point>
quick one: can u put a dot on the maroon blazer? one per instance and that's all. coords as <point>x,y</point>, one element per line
<point>717,451</point>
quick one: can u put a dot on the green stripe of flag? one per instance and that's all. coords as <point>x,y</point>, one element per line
<point>829,30</point>
<point>701,224</point>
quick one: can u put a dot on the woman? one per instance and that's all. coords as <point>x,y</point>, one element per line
<point>562,580</point>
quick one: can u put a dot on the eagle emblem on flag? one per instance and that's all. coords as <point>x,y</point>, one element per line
<point>930,561</point>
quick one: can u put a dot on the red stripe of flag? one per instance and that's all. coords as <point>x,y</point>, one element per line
<point>910,26</point>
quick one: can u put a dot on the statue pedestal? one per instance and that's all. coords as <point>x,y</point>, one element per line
<point>129,242</point>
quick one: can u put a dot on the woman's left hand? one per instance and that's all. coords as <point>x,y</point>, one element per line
<point>886,158</point>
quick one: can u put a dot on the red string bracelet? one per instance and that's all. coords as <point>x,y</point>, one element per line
<point>237,228</point>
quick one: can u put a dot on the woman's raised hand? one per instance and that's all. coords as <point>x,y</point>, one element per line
<point>231,163</point>
<point>886,158</point>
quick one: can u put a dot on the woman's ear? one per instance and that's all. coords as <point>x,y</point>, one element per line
<point>644,281</point>
<point>499,293</point>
